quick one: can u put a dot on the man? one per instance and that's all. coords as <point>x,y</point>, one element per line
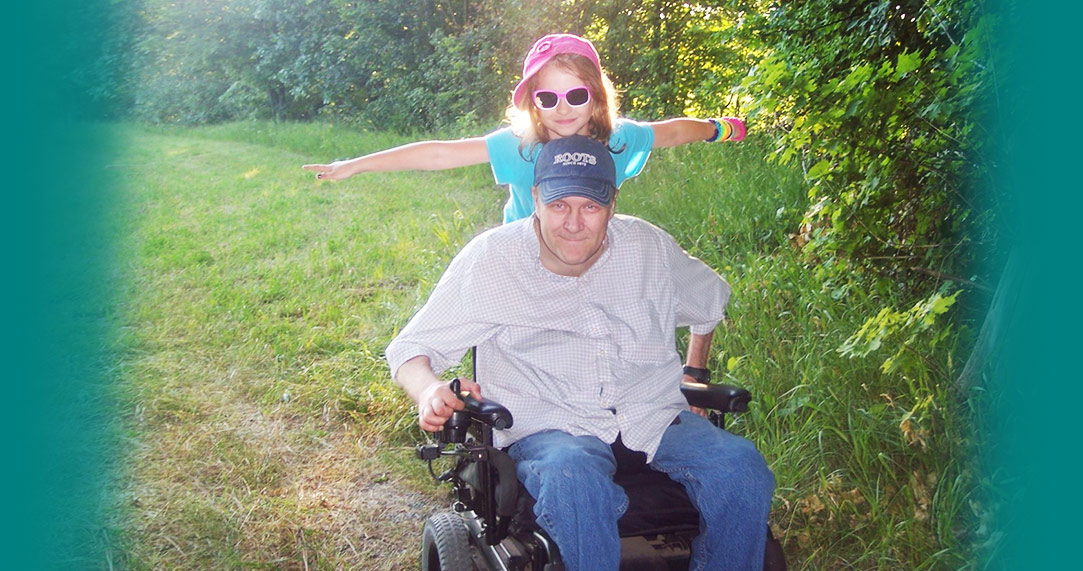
<point>574,312</point>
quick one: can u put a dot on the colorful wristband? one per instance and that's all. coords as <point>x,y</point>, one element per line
<point>738,128</point>
<point>717,131</point>
<point>727,129</point>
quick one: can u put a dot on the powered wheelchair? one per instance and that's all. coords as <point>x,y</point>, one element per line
<point>491,525</point>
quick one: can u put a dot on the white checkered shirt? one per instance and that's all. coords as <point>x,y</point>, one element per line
<point>592,355</point>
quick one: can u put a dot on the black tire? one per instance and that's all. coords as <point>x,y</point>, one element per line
<point>445,544</point>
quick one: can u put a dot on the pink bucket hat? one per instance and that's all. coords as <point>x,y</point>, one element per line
<point>544,49</point>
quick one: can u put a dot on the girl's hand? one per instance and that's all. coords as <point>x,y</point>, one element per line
<point>333,171</point>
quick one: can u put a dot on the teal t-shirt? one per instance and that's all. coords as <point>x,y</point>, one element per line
<point>631,140</point>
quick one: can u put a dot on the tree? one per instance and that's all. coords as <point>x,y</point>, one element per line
<point>884,104</point>
<point>186,52</point>
<point>419,64</point>
<point>673,58</point>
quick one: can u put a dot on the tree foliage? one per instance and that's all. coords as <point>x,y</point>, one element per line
<point>417,64</point>
<point>205,61</point>
<point>689,53</point>
<point>885,103</point>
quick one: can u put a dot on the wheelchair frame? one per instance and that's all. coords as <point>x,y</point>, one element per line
<point>483,531</point>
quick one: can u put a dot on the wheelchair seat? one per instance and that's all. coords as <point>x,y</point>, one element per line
<point>656,503</point>
<point>657,528</point>
<point>492,526</point>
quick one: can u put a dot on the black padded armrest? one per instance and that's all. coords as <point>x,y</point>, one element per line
<point>724,398</point>
<point>485,411</point>
<point>488,412</point>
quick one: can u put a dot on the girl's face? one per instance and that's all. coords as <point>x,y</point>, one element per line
<point>562,120</point>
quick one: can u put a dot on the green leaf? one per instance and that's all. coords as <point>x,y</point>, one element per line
<point>819,169</point>
<point>908,61</point>
<point>942,304</point>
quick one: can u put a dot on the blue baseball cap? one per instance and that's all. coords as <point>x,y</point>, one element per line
<point>575,166</point>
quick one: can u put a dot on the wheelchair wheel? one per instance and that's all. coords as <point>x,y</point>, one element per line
<point>445,544</point>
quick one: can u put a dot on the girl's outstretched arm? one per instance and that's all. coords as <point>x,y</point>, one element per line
<point>682,130</point>
<point>424,155</point>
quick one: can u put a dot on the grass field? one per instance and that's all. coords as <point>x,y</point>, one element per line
<point>263,430</point>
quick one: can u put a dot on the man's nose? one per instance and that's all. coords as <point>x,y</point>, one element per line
<point>573,222</point>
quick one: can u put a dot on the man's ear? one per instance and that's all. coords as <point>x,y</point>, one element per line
<point>534,195</point>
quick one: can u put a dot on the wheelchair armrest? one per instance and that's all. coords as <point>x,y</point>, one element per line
<point>488,412</point>
<point>723,398</point>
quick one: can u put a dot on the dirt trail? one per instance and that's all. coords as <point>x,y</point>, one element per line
<point>235,485</point>
<point>372,516</point>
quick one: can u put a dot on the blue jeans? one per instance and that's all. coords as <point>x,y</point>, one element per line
<point>578,505</point>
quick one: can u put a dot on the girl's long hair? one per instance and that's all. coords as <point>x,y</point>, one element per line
<point>526,118</point>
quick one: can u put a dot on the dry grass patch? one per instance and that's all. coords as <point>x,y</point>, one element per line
<point>247,488</point>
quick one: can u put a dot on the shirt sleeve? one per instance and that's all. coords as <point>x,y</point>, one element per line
<point>504,157</point>
<point>702,294</point>
<point>442,329</point>
<point>514,167</point>
<point>631,143</point>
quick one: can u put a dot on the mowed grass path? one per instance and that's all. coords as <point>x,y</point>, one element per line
<point>265,432</point>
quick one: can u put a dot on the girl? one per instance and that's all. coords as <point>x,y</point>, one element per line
<point>563,92</point>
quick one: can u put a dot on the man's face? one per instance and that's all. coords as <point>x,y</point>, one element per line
<point>572,232</point>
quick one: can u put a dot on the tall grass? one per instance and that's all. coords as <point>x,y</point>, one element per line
<point>874,469</point>
<point>263,421</point>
